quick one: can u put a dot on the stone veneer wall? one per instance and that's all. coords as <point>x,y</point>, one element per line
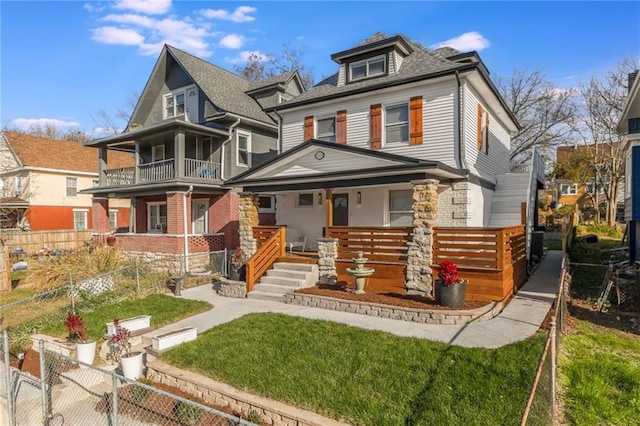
<point>220,394</point>
<point>327,255</point>
<point>419,279</point>
<point>230,288</point>
<point>248,218</point>
<point>424,316</point>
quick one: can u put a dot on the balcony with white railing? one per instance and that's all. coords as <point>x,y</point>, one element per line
<point>165,170</point>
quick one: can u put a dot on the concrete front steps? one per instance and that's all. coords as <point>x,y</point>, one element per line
<point>284,277</point>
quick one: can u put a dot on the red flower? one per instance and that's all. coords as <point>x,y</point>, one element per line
<point>76,327</point>
<point>448,273</point>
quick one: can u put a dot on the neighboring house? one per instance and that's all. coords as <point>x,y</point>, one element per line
<point>195,126</point>
<point>41,180</point>
<point>358,147</point>
<point>570,189</point>
<point>629,129</point>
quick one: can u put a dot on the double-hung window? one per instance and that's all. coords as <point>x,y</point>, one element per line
<point>181,102</point>
<point>80,220</point>
<point>396,123</point>
<point>569,189</point>
<point>113,219</point>
<point>305,200</point>
<point>156,216</point>
<point>72,187</point>
<point>174,104</point>
<point>368,67</point>
<point>401,207</point>
<point>327,129</point>
<point>243,149</point>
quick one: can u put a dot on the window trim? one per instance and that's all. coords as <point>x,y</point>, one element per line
<point>388,205</point>
<point>366,61</point>
<point>572,189</point>
<point>174,94</point>
<point>240,133</point>
<point>323,135</point>
<point>149,208</point>
<point>271,209</point>
<point>115,224</point>
<point>67,187</point>
<point>85,217</point>
<point>313,199</point>
<point>397,124</point>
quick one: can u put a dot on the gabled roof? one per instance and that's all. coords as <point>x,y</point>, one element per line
<point>319,164</point>
<point>34,151</point>
<point>225,89</point>
<point>274,80</point>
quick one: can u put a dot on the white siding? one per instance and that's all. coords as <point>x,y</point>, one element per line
<point>392,63</point>
<point>398,60</point>
<point>342,75</point>
<point>437,120</point>
<point>7,160</point>
<point>497,161</point>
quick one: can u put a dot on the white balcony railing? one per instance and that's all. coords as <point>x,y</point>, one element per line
<point>158,171</point>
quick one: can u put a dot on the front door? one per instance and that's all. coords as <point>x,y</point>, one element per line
<point>200,216</point>
<point>340,209</point>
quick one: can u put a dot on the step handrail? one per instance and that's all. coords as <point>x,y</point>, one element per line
<point>265,257</point>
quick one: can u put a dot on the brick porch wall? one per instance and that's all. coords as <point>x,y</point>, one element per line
<point>100,214</point>
<point>169,243</point>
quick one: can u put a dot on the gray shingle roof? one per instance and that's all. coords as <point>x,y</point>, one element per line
<point>269,81</point>
<point>225,89</point>
<point>422,62</point>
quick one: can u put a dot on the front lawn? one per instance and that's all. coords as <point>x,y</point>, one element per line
<point>599,370</point>
<point>162,308</point>
<point>365,377</point>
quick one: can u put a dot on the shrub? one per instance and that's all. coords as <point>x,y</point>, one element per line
<point>448,273</point>
<point>75,326</point>
<point>119,343</point>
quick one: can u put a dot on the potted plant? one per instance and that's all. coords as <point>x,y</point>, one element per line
<point>238,260</point>
<point>450,289</point>
<point>85,348</point>
<point>120,351</point>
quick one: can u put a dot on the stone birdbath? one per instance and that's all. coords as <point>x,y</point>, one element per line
<point>360,272</point>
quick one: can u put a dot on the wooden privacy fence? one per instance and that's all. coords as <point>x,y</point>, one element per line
<point>385,247</point>
<point>32,241</point>
<point>268,252</point>
<point>493,260</point>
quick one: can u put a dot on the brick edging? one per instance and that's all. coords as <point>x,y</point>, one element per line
<point>423,316</point>
<point>221,394</point>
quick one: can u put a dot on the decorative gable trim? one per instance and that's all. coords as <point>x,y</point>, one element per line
<point>415,120</point>
<point>375,131</point>
<point>309,127</point>
<point>341,127</point>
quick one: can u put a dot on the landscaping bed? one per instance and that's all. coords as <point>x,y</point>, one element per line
<point>341,291</point>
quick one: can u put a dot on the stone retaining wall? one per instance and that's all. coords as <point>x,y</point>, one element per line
<point>425,316</point>
<point>220,394</point>
<point>230,288</point>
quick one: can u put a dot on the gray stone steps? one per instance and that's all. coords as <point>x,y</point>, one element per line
<point>285,273</point>
<point>307,267</point>
<point>259,295</point>
<point>283,278</point>
<point>288,282</point>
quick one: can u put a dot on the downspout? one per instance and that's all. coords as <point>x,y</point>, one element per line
<point>226,142</point>
<point>462,162</point>
<point>184,222</point>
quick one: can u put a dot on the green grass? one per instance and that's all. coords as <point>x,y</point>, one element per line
<point>553,244</point>
<point>600,373</point>
<point>587,280</point>
<point>162,308</point>
<point>365,377</point>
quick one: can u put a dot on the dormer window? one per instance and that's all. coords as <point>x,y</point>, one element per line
<point>369,67</point>
<point>181,102</point>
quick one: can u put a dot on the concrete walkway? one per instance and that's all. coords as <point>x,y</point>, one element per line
<point>519,320</point>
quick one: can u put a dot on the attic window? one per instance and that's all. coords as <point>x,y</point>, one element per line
<point>369,67</point>
<point>181,102</point>
<point>173,104</point>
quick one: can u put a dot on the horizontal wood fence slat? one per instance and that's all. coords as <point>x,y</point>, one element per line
<point>382,244</point>
<point>267,254</point>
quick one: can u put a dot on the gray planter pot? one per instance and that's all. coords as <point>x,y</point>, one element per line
<point>452,295</point>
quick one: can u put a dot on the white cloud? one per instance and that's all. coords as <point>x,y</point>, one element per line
<point>238,15</point>
<point>27,123</point>
<point>114,35</point>
<point>93,7</point>
<point>243,57</point>
<point>150,7</point>
<point>232,41</point>
<point>466,42</point>
<point>136,20</point>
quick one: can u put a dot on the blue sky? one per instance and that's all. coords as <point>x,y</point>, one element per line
<point>64,61</point>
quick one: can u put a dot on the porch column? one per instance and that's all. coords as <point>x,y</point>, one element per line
<point>175,216</point>
<point>327,255</point>
<point>328,202</point>
<point>179,152</point>
<point>136,170</point>
<point>100,215</point>
<point>419,278</point>
<point>102,166</point>
<point>247,219</point>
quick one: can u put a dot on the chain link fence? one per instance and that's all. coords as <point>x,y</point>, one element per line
<point>69,392</point>
<point>26,316</point>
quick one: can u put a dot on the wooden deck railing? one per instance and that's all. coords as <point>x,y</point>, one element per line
<point>266,255</point>
<point>263,233</point>
<point>382,244</point>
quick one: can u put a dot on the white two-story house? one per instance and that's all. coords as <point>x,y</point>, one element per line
<point>396,113</point>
